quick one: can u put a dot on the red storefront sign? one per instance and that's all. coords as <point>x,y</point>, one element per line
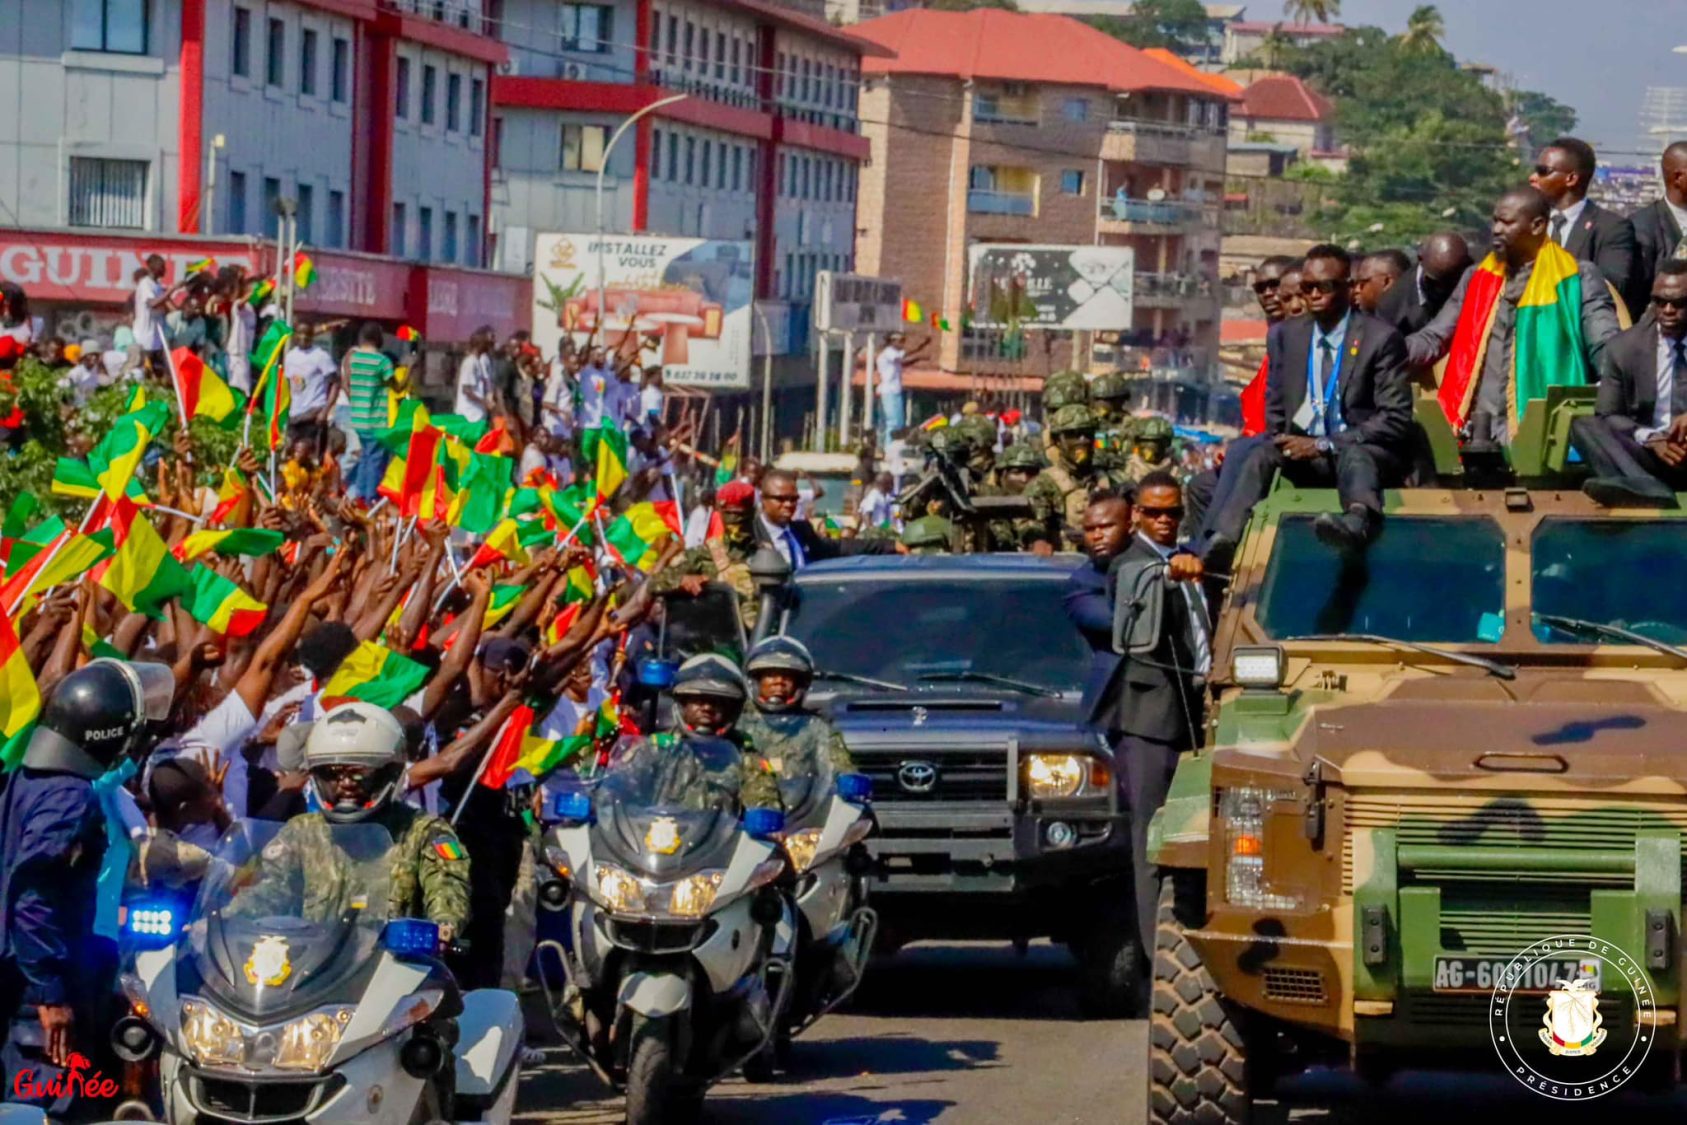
<point>355,287</point>
<point>456,302</point>
<point>100,269</point>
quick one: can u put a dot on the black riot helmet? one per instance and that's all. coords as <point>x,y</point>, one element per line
<point>98,714</point>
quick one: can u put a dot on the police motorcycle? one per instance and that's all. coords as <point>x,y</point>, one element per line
<point>290,993</point>
<point>680,944</point>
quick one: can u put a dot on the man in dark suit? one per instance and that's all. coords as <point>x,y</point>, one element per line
<point>1150,705</point>
<point>1414,300</point>
<point>1338,408</point>
<point>1636,442</point>
<point>778,527</point>
<point>1088,600</point>
<point>1563,173</point>
<point>1660,225</point>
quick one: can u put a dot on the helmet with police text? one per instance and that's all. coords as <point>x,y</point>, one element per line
<point>355,756</point>
<point>100,713</point>
<point>1071,420</point>
<point>787,658</point>
<point>1111,386</point>
<point>1064,388</point>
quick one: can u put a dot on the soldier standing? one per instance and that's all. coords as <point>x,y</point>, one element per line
<point>1115,429</point>
<point>792,738</point>
<point>1062,491</point>
<point>1017,467</point>
<point>723,559</point>
<point>1152,450</point>
<point>928,535</point>
<point>1062,389</point>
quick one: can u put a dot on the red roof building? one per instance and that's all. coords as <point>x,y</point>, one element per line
<point>1282,108</point>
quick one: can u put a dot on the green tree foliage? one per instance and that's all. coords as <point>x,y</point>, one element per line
<point>1428,140</point>
<point>1545,117</point>
<point>1424,29</point>
<point>1312,11</point>
<point>1177,25</point>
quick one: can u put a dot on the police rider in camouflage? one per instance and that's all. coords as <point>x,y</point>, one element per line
<point>790,737</point>
<point>355,758</point>
<point>1062,491</point>
<point>711,692</point>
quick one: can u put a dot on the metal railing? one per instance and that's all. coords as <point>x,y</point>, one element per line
<point>981,201</point>
<point>1166,212</point>
<point>1140,126</point>
<point>1172,285</point>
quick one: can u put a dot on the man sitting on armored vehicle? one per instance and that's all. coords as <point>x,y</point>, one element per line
<point>1636,443</point>
<point>1338,408</point>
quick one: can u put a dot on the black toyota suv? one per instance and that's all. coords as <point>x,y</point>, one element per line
<point>955,680</point>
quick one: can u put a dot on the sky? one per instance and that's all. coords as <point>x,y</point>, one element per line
<point>1596,57</point>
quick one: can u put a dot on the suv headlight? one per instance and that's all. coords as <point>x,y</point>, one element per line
<point>1064,775</point>
<point>801,846</point>
<point>1242,811</point>
<point>618,889</point>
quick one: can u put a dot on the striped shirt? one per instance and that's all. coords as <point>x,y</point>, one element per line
<point>367,388</point>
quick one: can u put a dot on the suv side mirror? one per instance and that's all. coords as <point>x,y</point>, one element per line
<point>1139,592</point>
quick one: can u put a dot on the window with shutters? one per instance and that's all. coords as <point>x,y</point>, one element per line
<point>107,193</point>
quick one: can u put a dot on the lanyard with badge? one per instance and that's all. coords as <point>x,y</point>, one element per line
<point>1319,398</point>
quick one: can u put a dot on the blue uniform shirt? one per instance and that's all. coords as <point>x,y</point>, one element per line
<point>52,839</point>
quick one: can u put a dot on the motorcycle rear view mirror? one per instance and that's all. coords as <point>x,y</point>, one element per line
<point>763,824</point>
<point>856,788</point>
<point>572,806</point>
<point>1139,591</point>
<point>410,937</point>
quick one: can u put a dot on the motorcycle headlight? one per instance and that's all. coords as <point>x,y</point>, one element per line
<point>1055,775</point>
<point>693,895</point>
<point>307,1042</point>
<point>209,1036</point>
<point>618,890</point>
<point>801,846</point>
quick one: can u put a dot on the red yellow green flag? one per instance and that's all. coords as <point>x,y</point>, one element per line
<point>20,699</point>
<point>632,536</point>
<point>204,394</point>
<point>234,498</point>
<point>503,542</point>
<point>117,457</point>
<point>142,574</point>
<point>252,541</point>
<point>376,674</point>
<point>65,558</point>
<point>221,603</point>
<point>605,447</point>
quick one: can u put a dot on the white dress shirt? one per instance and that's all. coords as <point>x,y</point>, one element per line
<point>1662,415</point>
<point>1197,602</point>
<point>1571,215</point>
<point>785,542</point>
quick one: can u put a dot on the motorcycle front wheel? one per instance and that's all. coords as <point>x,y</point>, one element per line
<point>658,1092</point>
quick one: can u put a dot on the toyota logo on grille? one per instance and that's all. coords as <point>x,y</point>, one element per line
<point>917,777</point>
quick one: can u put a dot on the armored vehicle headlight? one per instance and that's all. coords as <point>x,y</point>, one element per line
<point>801,846</point>
<point>1257,667</point>
<point>211,1037</point>
<point>1055,775</point>
<point>618,890</point>
<point>1243,811</point>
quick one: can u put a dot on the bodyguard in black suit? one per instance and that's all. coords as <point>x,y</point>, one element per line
<point>1563,173</point>
<point>1414,300</point>
<point>777,527</point>
<point>1636,442</point>
<point>1657,230</point>
<point>1338,407</point>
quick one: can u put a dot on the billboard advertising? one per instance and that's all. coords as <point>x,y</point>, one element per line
<point>687,298</point>
<point>1054,287</point>
<point>848,302</point>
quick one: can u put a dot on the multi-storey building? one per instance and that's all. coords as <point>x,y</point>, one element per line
<point>765,147</point>
<point>993,126</point>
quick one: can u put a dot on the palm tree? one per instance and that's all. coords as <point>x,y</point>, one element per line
<point>1424,29</point>
<point>1312,11</point>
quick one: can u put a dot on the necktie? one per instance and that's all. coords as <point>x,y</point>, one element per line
<point>797,559</point>
<point>1558,229</point>
<point>1326,364</point>
<point>1678,380</point>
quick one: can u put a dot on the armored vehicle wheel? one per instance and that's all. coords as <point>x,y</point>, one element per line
<point>1197,1059</point>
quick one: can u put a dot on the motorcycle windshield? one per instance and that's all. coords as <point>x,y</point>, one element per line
<point>289,914</point>
<point>668,805</point>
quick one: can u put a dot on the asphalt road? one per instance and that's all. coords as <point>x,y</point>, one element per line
<point>938,1033</point>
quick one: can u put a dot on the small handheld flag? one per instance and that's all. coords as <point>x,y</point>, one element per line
<point>912,312</point>
<point>304,270</point>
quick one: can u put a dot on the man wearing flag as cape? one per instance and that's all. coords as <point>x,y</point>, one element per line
<point>1527,317</point>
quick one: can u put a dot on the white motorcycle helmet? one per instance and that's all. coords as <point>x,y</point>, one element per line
<point>355,756</point>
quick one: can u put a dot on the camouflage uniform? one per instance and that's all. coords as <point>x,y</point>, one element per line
<point>1157,431</point>
<point>718,561</point>
<point>795,739</point>
<point>1060,493</point>
<point>1063,388</point>
<point>1115,430</point>
<point>429,872</point>
<point>756,784</point>
<point>928,535</point>
<point>1015,534</point>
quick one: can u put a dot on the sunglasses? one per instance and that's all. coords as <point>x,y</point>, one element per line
<point>1676,304</point>
<point>1545,170</point>
<point>1267,285</point>
<point>1160,513</point>
<point>1321,286</point>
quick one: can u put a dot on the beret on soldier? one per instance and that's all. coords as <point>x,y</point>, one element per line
<point>736,494</point>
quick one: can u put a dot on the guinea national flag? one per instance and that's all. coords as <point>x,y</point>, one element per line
<point>204,394</point>
<point>421,452</point>
<point>503,542</point>
<point>222,604</point>
<point>64,558</point>
<point>503,603</point>
<point>376,674</point>
<point>252,541</point>
<point>1253,402</point>
<point>118,455</point>
<point>143,575</point>
<point>605,447</point>
<point>633,535</point>
<point>20,699</point>
<point>484,485</point>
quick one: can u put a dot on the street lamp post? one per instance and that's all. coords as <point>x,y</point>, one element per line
<point>603,165</point>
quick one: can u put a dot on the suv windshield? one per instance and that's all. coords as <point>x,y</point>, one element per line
<point>904,631</point>
<point>1423,579</point>
<point>1613,572</point>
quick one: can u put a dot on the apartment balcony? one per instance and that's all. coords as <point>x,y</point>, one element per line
<point>1148,142</point>
<point>1124,215</point>
<point>984,202</point>
<point>1170,290</point>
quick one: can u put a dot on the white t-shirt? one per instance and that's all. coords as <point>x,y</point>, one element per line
<point>148,326</point>
<point>532,458</point>
<point>594,388</point>
<point>557,405</point>
<point>650,401</point>
<point>242,326</point>
<point>874,509</point>
<point>697,526</point>
<point>620,401</point>
<point>890,370</point>
<point>310,376</point>
<point>223,731</point>
<point>474,377</point>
